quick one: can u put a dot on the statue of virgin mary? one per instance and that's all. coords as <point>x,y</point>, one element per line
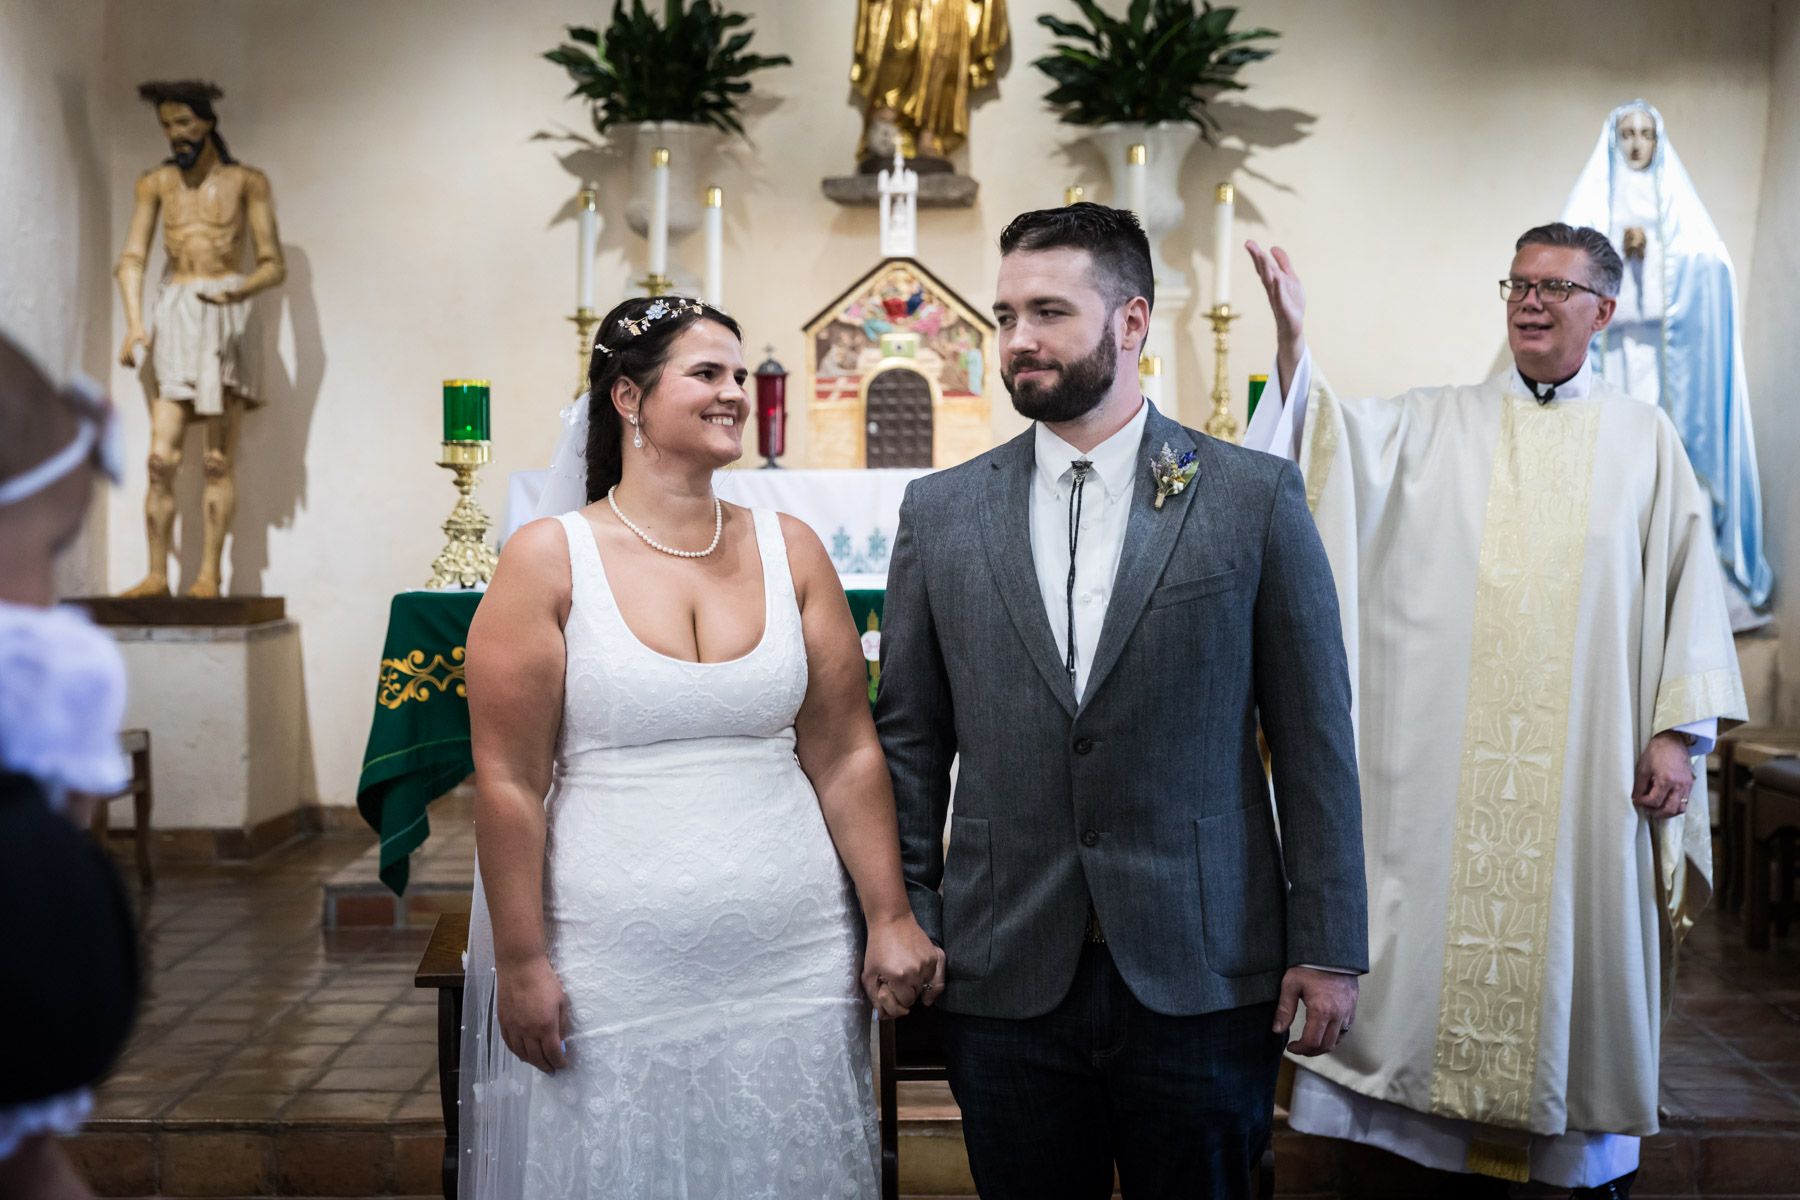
<point>1675,339</point>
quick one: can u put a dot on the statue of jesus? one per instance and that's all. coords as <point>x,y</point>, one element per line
<point>200,348</point>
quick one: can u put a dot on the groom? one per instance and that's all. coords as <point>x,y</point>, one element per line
<point>1096,617</point>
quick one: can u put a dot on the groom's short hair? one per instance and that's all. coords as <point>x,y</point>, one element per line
<point>1112,236</point>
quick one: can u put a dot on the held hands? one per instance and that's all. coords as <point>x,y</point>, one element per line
<point>901,966</point>
<point>534,1014</point>
<point>1330,1000</point>
<point>1665,776</point>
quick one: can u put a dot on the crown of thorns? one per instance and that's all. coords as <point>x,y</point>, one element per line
<point>658,311</point>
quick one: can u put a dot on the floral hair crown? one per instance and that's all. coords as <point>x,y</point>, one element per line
<point>657,311</point>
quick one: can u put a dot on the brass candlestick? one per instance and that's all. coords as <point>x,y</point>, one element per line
<point>1221,424</point>
<point>466,559</point>
<point>586,321</point>
<point>656,285</point>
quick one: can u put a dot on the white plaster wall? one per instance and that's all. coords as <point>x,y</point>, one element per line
<point>1772,346</point>
<point>53,192</point>
<point>1396,147</point>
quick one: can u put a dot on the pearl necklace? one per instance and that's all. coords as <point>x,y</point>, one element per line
<point>718,527</point>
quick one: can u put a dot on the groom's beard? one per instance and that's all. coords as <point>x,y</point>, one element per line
<point>1079,385</point>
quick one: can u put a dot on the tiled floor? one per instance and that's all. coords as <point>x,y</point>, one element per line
<point>271,1057</point>
<point>277,1057</point>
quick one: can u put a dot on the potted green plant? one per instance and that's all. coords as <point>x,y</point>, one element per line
<point>676,83</point>
<point>1146,78</point>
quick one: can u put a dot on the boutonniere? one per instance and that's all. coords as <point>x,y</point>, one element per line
<point>1172,474</point>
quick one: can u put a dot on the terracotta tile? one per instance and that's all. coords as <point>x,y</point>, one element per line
<point>262,1079</point>
<point>286,1032</point>
<point>380,1054</point>
<point>1713,1075</point>
<point>337,1014</point>
<point>318,1163</point>
<point>130,1105</point>
<point>352,912</point>
<point>209,1105</point>
<point>1768,1047</point>
<point>215,1164</point>
<point>1749,1164</point>
<point>1761,1106</point>
<point>1305,1164</point>
<point>294,1055</point>
<point>421,1106</point>
<point>361,1079</point>
<point>153,1079</point>
<point>342,1106</point>
<point>114,1164</point>
<point>406,1033</point>
<point>419,1165</point>
<point>1666,1165</point>
<point>214,1032</point>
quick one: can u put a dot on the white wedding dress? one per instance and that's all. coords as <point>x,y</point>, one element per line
<point>700,922</point>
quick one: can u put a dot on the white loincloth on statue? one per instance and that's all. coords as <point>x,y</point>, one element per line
<point>1325,1109</point>
<point>200,350</point>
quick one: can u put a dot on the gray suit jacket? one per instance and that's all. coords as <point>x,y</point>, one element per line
<point>1148,798</point>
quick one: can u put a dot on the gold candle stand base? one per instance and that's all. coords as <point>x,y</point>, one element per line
<point>656,285</point>
<point>586,321</point>
<point>1221,424</point>
<point>466,560</point>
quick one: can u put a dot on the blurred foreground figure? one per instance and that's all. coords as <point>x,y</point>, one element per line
<point>68,978</point>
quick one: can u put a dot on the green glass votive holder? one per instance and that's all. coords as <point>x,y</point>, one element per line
<point>465,410</point>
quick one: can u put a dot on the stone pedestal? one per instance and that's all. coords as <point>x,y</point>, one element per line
<point>226,709</point>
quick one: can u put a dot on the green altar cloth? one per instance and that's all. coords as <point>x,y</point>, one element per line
<point>865,607</point>
<point>419,739</point>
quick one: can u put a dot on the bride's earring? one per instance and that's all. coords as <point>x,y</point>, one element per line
<point>637,438</point>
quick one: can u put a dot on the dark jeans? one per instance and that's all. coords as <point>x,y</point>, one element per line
<point>1183,1105</point>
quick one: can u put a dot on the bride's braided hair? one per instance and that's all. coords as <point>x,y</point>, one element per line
<point>634,343</point>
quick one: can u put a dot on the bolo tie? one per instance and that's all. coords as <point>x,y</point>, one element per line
<point>1081,467</point>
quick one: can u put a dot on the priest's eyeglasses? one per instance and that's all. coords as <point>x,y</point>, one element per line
<point>1550,291</point>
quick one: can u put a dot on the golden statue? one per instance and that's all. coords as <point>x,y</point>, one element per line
<point>916,63</point>
<point>202,353</point>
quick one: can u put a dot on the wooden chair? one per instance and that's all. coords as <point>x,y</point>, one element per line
<point>912,1050</point>
<point>136,743</point>
<point>441,967</point>
<point>1741,751</point>
<point>1771,836</point>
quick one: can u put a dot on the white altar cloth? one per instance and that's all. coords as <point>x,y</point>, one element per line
<point>855,513</point>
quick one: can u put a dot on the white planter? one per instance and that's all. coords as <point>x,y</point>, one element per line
<point>690,147</point>
<point>1166,147</point>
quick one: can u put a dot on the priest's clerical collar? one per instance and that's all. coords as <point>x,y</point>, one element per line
<point>1575,387</point>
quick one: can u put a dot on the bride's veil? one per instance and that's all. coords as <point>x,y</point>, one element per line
<point>495,1085</point>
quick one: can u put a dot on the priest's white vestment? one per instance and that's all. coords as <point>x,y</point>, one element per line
<point>1529,593</point>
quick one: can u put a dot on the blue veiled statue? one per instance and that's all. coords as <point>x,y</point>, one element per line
<point>1675,339</point>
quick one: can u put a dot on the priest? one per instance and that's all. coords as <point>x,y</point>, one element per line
<point>1538,638</point>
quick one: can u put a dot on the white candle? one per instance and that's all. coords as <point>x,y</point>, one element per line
<point>659,211</point>
<point>715,248</point>
<point>1222,209</point>
<point>1137,180</point>
<point>587,234</point>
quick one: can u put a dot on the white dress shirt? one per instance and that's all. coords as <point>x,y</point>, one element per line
<point>1276,429</point>
<point>1105,511</point>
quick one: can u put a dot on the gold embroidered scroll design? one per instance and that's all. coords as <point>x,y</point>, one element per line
<point>1327,424</point>
<point>412,678</point>
<point>1689,698</point>
<point>1509,795</point>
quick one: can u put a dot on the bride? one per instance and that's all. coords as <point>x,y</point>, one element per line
<point>681,808</point>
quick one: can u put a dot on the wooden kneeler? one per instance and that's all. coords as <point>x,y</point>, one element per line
<point>441,967</point>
